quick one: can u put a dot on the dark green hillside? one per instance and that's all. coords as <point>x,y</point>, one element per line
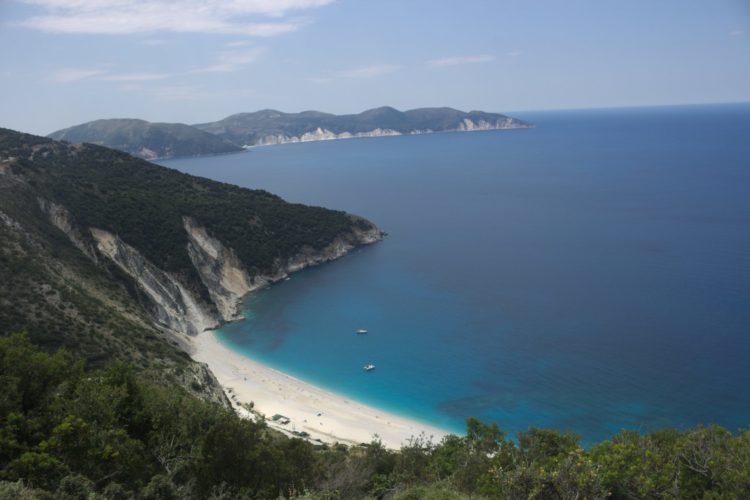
<point>147,140</point>
<point>64,293</point>
<point>61,298</point>
<point>145,203</point>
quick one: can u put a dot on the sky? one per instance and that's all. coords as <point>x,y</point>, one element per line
<point>65,62</point>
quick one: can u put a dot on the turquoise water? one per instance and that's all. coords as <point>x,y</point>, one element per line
<point>590,274</point>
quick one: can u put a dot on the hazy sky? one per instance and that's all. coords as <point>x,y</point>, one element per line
<point>65,62</point>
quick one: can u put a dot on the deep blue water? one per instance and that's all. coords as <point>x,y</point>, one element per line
<point>590,274</point>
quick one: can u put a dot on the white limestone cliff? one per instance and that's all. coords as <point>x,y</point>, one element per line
<point>174,306</point>
<point>177,308</point>
<point>322,134</point>
<point>61,219</point>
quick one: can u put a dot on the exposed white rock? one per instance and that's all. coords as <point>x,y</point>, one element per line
<point>219,268</point>
<point>337,248</point>
<point>322,134</point>
<point>269,140</point>
<point>468,125</point>
<point>175,307</point>
<point>8,221</point>
<point>319,134</point>
<point>62,220</point>
<point>378,132</point>
<point>149,154</point>
<point>221,271</point>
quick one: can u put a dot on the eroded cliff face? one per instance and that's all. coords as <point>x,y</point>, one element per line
<point>468,125</point>
<point>62,220</point>
<point>227,278</point>
<point>198,379</point>
<point>174,307</point>
<point>178,309</point>
<point>220,270</point>
<point>337,248</point>
<point>321,134</point>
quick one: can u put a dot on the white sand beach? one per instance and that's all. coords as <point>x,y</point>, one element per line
<point>323,415</point>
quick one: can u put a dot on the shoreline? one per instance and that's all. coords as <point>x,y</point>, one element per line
<point>250,147</point>
<point>327,417</point>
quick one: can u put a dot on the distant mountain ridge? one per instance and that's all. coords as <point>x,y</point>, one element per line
<point>233,133</point>
<point>145,139</point>
<point>269,126</point>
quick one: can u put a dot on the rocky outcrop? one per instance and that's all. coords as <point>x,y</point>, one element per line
<point>146,285</point>
<point>62,220</point>
<point>271,126</point>
<point>469,125</point>
<point>321,134</point>
<point>174,306</point>
<point>220,269</point>
<point>337,248</point>
<point>200,380</point>
<point>178,309</point>
<point>8,221</point>
<point>227,279</point>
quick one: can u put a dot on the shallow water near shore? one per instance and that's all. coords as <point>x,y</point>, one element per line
<point>590,274</point>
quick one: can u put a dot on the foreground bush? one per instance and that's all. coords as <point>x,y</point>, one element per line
<point>70,433</point>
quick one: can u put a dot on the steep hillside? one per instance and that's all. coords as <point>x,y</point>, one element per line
<point>114,257</point>
<point>147,140</point>
<point>274,127</point>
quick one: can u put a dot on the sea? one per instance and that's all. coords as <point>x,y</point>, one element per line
<point>590,274</point>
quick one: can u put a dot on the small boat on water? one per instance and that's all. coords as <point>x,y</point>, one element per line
<point>361,331</point>
<point>368,367</point>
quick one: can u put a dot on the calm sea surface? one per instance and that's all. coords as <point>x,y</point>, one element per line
<point>591,274</point>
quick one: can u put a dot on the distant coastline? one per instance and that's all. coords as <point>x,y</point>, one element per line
<point>326,135</point>
<point>240,131</point>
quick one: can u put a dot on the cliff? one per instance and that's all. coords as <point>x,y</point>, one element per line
<point>275,127</point>
<point>116,258</point>
<point>225,277</point>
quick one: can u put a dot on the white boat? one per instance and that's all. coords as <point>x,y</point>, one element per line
<point>368,367</point>
<point>361,331</point>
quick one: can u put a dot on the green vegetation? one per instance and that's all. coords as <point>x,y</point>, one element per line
<point>66,432</point>
<point>250,128</point>
<point>62,296</point>
<point>145,204</point>
<point>147,140</point>
<point>163,140</point>
<point>120,419</point>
